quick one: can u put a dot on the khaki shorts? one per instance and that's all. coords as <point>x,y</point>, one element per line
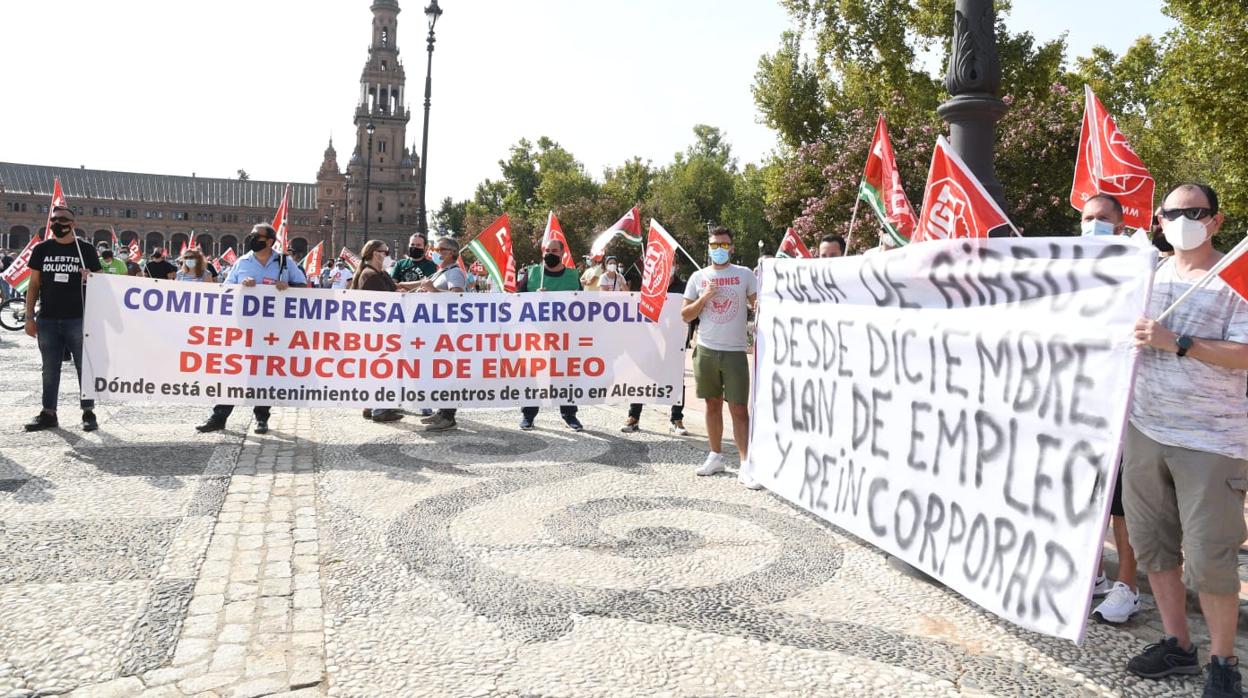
<point>721,374</point>
<point>1182,503</point>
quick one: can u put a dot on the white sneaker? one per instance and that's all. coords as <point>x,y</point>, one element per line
<point>714,463</point>
<point>678,428</point>
<point>1119,606</point>
<point>748,481</point>
<point>1103,586</point>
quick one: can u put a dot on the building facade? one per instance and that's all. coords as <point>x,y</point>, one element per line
<point>166,211</point>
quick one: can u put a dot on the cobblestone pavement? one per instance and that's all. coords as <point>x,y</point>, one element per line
<point>340,557</point>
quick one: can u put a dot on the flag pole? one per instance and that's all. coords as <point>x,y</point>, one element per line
<point>1226,260</point>
<point>687,256</point>
<point>849,236</point>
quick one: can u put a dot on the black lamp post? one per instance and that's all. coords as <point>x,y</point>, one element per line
<point>346,212</point>
<point>431,13</point>
<point>333,247</point>
<point>368,178</point>
<point>974,81</point>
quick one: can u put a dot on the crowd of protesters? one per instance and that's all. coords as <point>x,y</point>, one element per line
<point>1177,508</point>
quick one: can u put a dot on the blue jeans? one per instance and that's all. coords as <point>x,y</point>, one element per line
<point>55,336</point>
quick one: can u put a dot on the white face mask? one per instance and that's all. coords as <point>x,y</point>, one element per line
<point>188,263</point>
<point>1097,227</point>
<point>1185,234</point>
<point>612,268</point>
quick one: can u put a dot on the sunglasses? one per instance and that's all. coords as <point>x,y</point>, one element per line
<point>719,245</point>
<point>1194,213</point>
<point>62,219</point>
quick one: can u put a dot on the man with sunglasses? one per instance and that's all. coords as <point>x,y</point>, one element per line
<point>1186,454</point>
<point>719,297</point>
<point>260,265</point>
<point>58,277</point>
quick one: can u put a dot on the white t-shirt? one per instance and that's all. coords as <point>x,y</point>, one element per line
<point>340,277</point>
<point>607,283</point>
<point>1186,402</point>
<point>723,319</point>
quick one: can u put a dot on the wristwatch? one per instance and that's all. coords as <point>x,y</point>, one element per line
<point>1184,343</point>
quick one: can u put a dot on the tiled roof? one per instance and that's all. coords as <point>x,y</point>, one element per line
<point>164,189</point>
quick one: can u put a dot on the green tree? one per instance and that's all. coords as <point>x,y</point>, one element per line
<point>450,216</point>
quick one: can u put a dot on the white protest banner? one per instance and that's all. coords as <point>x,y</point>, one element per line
<point>156,340</point>
<point>959,404</point>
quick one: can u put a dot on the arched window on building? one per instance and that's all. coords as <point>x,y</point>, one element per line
<point>156,241</point>
<point>19,235</point>
<point>205,243</point>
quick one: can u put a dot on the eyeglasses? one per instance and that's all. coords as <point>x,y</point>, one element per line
<point>62,219</point>
<point>720,245</point>
<point>1193,213</point>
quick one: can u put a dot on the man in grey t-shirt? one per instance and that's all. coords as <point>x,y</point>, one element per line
<point>1186,455</point>
<point>449,278</point>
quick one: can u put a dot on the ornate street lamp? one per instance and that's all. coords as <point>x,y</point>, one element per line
<point>431,13</point>
<point>368,178</point>
<point>974,81</point>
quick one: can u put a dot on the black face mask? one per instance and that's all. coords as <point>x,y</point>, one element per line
<point>257,244</point>
<point>416,252</point>
<point>552,260</point>
<point>62,228</point>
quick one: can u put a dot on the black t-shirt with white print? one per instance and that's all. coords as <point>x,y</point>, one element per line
<point>60,276</point>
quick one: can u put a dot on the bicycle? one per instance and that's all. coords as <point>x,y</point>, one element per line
<point>13,313</point>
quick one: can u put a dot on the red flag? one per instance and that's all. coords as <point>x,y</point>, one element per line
<point>955,204</point>
<point>312,262</point>
<point>58,199</point>
<point>493,249</point>
<point>881,188</point>
<point>136,253</point>
<point>183,250</point>
<point>1235,274</point>
<point>229,257</point>
<point>628,227</point>
<point>660,261</point>
<point>18,273</point>
<point>555,232</point>
<point>280,221</point>
<point>791,246</point>
<point>1107,165</point>
<point>349,257</point>
<point>113,231</point>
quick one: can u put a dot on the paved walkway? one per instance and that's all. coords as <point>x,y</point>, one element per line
<point>339,557</point>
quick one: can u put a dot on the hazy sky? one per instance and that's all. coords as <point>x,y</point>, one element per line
<point>177,87</point>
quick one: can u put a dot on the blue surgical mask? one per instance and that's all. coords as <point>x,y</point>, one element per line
<point>719,256</point>
<point>1096,227</point>
<point>435,257</point>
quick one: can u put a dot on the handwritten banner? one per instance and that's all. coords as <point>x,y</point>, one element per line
<point>959,404</point>
<point>155,340</point>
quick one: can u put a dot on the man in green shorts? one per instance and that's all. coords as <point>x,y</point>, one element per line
<point>720,297</point>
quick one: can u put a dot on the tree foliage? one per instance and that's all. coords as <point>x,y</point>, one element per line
<point>1177,98</point>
